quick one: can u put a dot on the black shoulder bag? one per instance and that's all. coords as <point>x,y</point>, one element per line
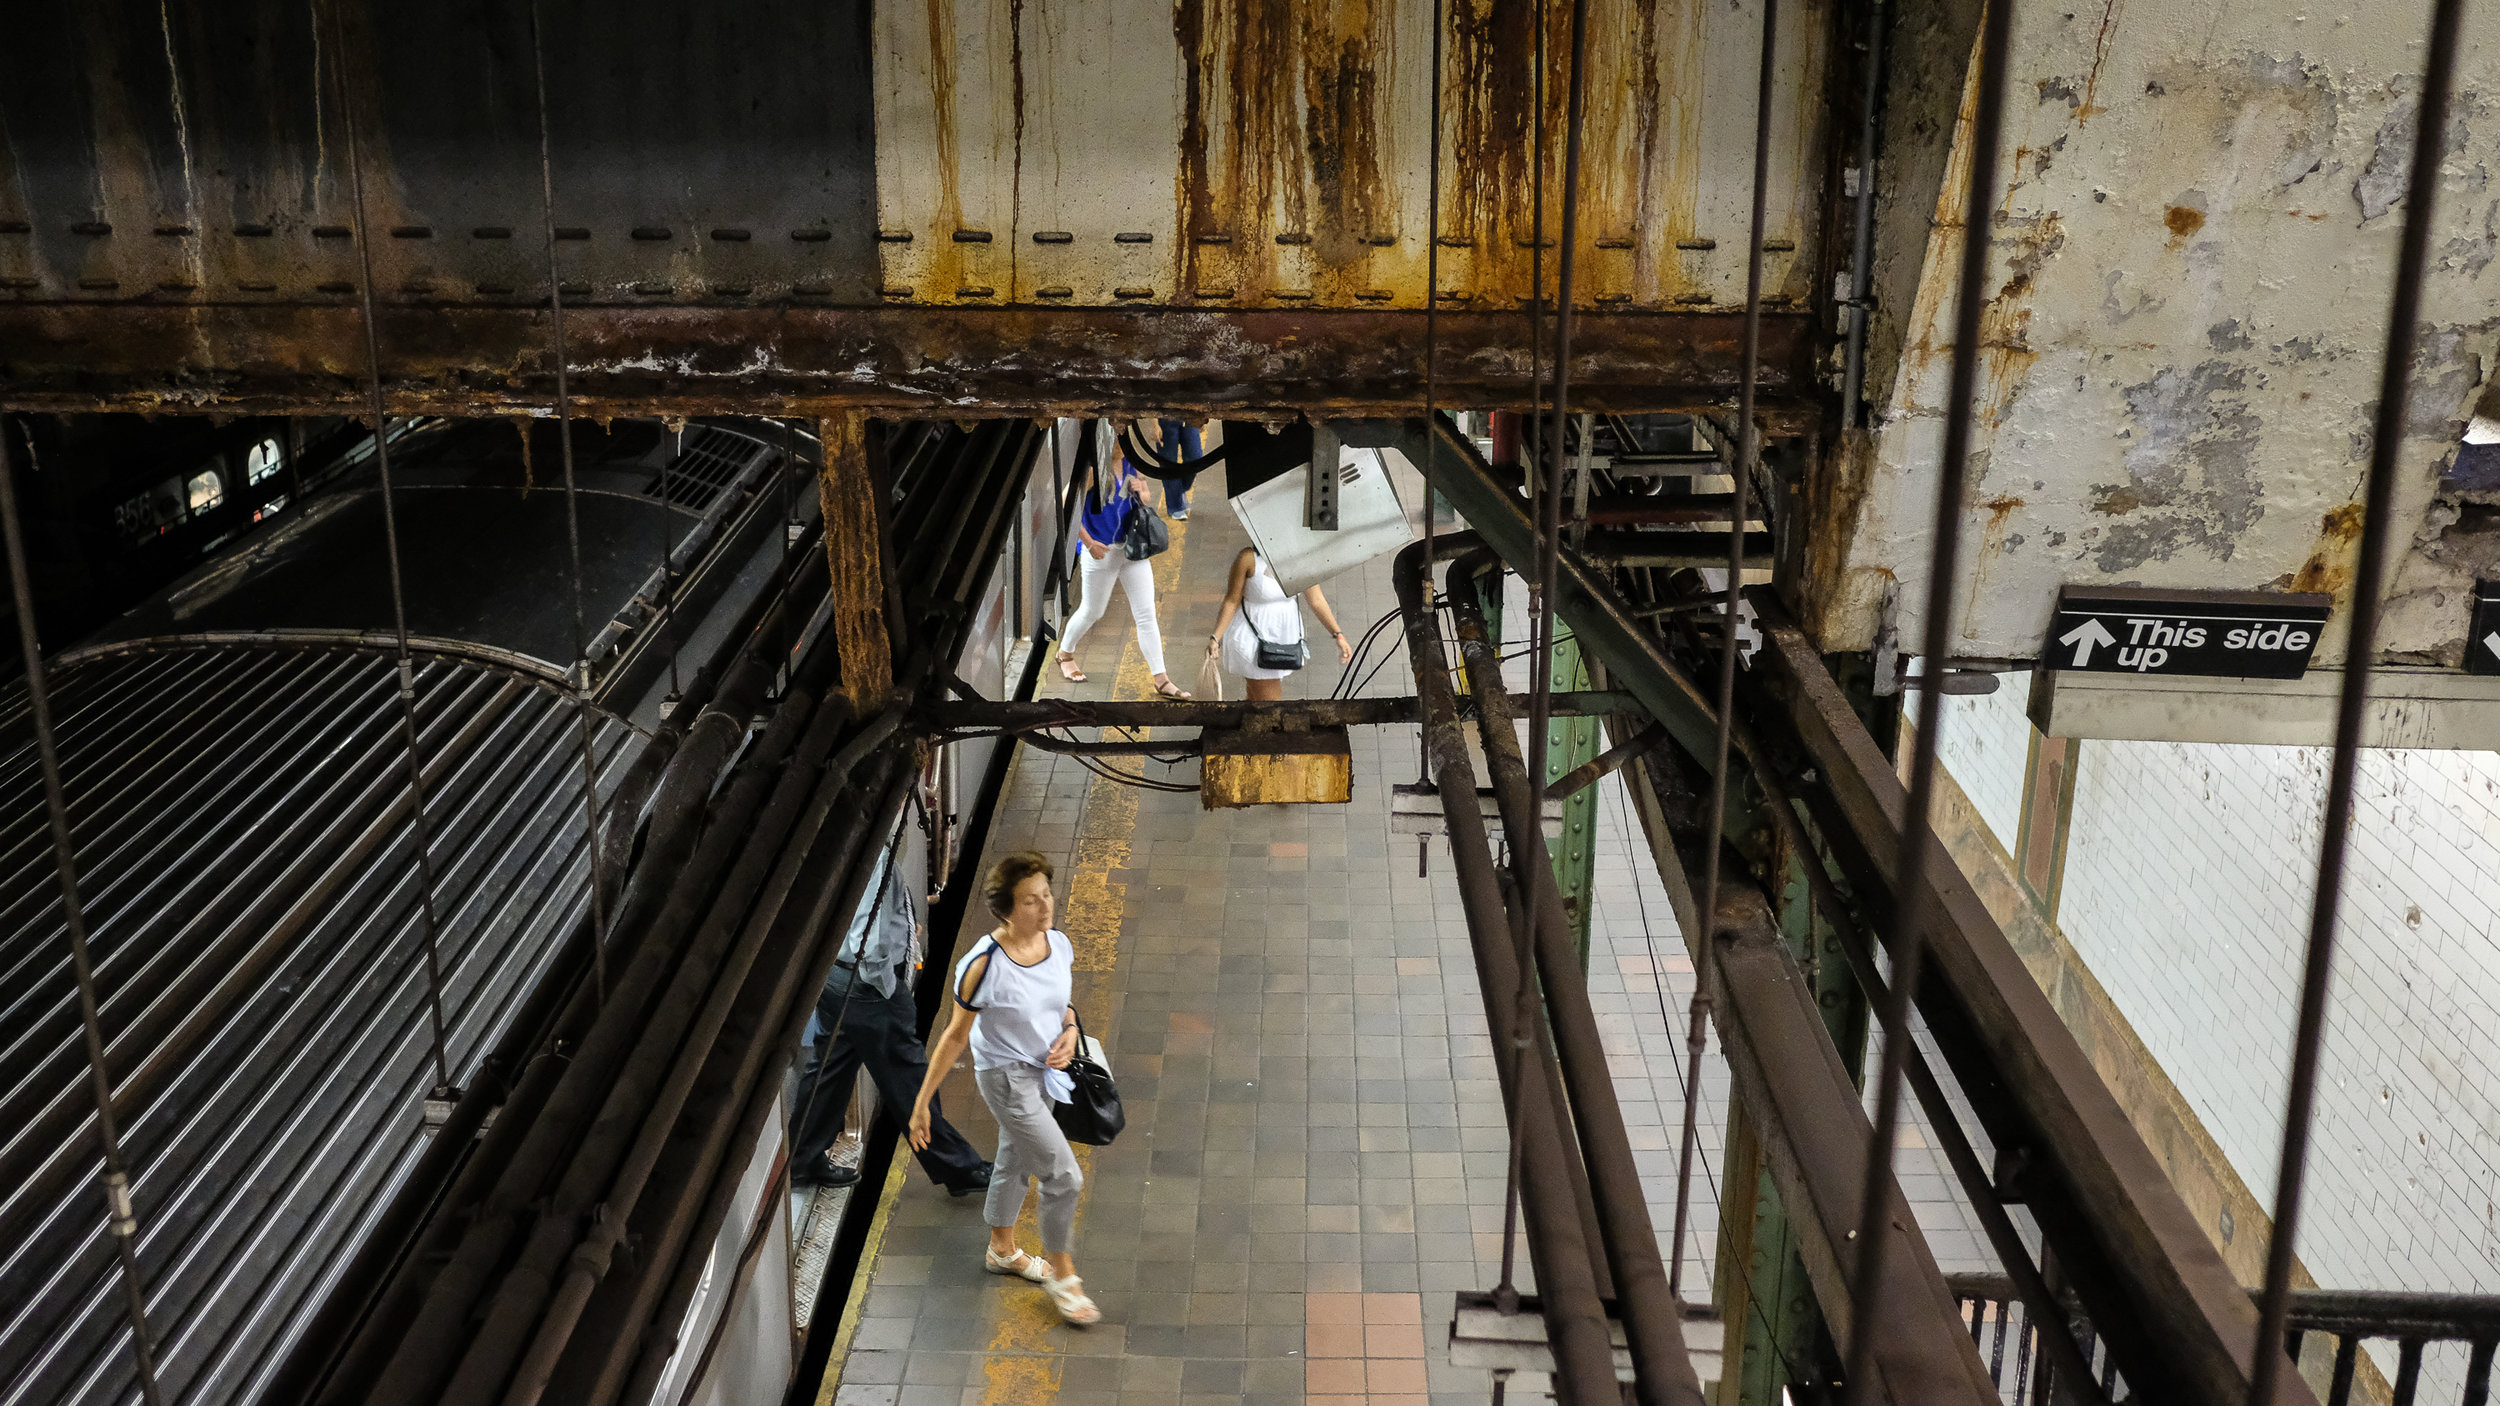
<point>1092,1115</point>
<point>1277,654</point>
<point>1144,534</point>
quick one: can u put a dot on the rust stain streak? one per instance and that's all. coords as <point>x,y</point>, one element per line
<point>945,272</point>
<point>2329,567</point>
<point>2086,110</point>
<point>2000,509</point>
<point>2182,222</point>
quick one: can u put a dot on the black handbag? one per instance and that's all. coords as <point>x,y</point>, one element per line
<point>1277,654</point>
<point>1144,534</point>
<point>1092,1115</point>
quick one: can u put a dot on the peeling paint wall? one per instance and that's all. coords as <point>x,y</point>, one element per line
<point>2188,297</point>
<point>1246,153</point>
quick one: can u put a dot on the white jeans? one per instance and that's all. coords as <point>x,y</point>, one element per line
<point>1137,579</point>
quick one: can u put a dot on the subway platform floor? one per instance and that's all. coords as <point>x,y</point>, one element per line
<point>1315,1157</point>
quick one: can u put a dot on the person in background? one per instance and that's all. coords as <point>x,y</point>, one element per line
<point>1103,564</point>
<point>1256,608</point>
<point>1179,442</point>
<point>1012,1010</point>
<point>869,1018</point>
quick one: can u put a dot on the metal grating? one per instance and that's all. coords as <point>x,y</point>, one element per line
<point>712,460</point>
<point>250,881</point>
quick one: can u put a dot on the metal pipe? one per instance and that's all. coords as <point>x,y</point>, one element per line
<point>832,856</point>
<point>1575,1319</point>
<point>1652,1315</point>
<point>760,880</point>
<point>1862,241</point>
<point>119,1217</point>
<point>613,1335</point>
<point>2352,704</point>
<point>1909,916</point>
<point>426,1351</point>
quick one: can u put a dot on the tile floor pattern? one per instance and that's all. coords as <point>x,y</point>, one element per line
<point>1315,1154</point>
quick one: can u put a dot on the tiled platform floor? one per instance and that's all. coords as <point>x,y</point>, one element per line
<point>1315,1153</point>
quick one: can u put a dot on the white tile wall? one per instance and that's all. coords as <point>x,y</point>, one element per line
<point>1985,742</point>
<point>2189,875</point>
<point>2406,1150</point>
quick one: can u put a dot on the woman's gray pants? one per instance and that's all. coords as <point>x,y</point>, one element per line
<point>1029,1145</point>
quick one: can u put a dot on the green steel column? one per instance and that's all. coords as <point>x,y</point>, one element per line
<point>1572,743</point>
<point>1774,1329</point>
<point>1569,743</point>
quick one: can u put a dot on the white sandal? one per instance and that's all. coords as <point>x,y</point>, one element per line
<point>1069,1296</point>
<point>1018,1266</point>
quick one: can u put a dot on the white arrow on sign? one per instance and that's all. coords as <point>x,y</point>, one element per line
<point>2492,642</point>
<point>2086,635</point>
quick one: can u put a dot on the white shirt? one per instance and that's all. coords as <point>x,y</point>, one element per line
<point>1020,1010</point>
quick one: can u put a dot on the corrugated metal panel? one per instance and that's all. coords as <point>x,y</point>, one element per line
<point>1238,153</point>
<point>211,792</point>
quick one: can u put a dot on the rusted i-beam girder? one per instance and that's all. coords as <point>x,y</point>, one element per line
<point>470,359</point>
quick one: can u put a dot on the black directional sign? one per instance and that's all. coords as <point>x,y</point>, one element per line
<point>2482,640</point>
<point>2221,634</point>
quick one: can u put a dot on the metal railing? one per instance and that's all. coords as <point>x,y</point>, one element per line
<point>2329,1324</point>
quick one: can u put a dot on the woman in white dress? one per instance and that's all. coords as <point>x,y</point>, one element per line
<point>1256,608</point>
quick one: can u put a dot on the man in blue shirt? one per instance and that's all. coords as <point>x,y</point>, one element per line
<point>867,1016</point>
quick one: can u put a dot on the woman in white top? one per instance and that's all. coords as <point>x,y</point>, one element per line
<point>1011,1008</point>
<point>1256,608</point>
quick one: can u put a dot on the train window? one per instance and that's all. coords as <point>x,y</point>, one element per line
<point>205,491</point>
<point>262,461</point>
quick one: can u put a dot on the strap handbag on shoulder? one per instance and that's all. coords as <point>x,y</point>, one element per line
<point>1092,1115</point>
<point>1144,534</point>
<point>1277,654</point>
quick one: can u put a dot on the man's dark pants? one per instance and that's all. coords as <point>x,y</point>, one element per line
<point>878,1032</point>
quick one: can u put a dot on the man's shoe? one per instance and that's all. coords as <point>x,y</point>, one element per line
<point>978,1181</point>
<point>826,1172</point>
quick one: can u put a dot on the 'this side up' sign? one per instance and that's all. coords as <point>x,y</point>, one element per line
<point>2220,634</point>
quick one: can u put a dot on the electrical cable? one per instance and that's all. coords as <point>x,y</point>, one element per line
<point>1748,449</point>
<point>431,925</point>
<point>2351,711</point>
<point>120,1218</point>
<point>573,532</point>
<point>1506,1292</point>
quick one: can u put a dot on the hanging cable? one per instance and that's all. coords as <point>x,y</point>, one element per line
<point>119,1219</point>
<point>2430,145</point>
<point>668,554</point>
<point>1748,452</point>
<point>1523,1014</point>
<point>431,924</point>
<point>573,533</point>
<point>1909,934</point>
<point>1432,372</point>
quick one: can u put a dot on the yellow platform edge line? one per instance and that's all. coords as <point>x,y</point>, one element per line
<point>867,1272</point>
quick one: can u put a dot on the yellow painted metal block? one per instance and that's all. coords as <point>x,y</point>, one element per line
<point>1265,768</point>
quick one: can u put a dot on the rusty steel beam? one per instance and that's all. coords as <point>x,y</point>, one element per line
<point>854,553</point>
<point>965,714</point>
<point>454,359</point>
<point>2176,1320</point>
<point>1814,1135</point>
